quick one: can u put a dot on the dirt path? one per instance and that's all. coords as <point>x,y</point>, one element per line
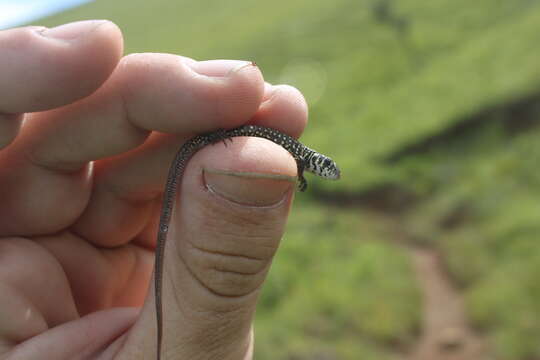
<point>445,334</point>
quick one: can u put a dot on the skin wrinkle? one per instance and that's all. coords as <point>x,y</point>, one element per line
<point>207,280</point>
<point>242,215</point>
<point>218,252</point>
<point>228,316</point>
<point>220,106</point>
<point>59,167</point>
<point>126,86</point>
<point>209,315</point>
<point>240,218</point>
<point>229,254</point>
<point>217,107</point>
<point>122,95</point>
<point>257,272</point>
<point>252,235</point>
<point>234,240</point>
<point>231,284</point>
<point>146,237</point>
<point>136,197</point>
<point>240,274</point>
<point>117,346</point>
<point>273,96</point>
<point>215,292</point>
<point>87,34</point>
<point>126,276</point>
<point>223,271</point>
<point>242,223</point>
<point>214,343</point>
<point>109,254</point>
<point>206,313</point>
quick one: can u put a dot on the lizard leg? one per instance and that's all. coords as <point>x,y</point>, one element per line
<point>302,182</point>
<point>220,135</point>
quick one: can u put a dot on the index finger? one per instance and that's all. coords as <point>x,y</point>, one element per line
<point>44,68</point>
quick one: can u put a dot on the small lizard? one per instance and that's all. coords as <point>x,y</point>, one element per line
<point>306,159</point>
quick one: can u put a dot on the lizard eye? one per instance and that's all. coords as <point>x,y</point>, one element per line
<point>332,170</point>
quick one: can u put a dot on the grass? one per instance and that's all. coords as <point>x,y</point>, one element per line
<point>490,186</point>
<point>336,289</point>
<point>502,290</point>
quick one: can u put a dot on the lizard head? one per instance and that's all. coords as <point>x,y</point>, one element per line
<point>321,165</point>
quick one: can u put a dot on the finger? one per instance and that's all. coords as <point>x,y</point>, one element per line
<point>53,151</point>
<point>126,191</point>
<point>283,108</point>
<point>46,284</point>
<point>46,68</point>
<point>101,278</point>
<point>27,272</point>
<point>126,186</point>
<point>95,336</point>
<point>147,92</point>
<point>223,235</point>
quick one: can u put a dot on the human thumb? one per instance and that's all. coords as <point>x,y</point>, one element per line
<point>229,217</point>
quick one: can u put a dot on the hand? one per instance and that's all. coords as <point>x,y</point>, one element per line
<point>80,187</point>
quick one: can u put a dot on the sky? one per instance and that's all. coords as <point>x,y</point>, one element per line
<point>18,12</point>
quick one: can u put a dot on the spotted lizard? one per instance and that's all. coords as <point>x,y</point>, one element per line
<point>306,159</point>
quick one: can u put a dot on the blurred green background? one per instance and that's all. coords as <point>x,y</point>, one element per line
<point>431,109</point>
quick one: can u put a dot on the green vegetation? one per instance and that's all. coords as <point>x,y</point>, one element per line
<point>381,75</point>
<point>484,214</point>
<point>334,291</point>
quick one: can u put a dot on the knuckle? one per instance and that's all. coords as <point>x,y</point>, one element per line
<point>19,38</point>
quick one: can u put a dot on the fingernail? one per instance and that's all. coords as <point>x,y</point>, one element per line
<point>253,189</point>
<point>241,66</point>
<point>72,30</point>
